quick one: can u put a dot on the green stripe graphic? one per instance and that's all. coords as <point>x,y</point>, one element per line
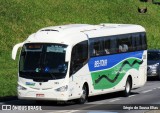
<point>111,77</point>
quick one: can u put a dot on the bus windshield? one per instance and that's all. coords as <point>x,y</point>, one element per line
<point>43,60</point>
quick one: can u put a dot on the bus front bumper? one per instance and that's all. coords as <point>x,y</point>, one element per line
<point>43,95</point>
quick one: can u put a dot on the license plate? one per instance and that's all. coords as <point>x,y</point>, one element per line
<point>39,95</point>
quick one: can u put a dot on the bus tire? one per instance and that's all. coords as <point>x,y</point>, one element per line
<point>128,86</point>
<point>84,97</point>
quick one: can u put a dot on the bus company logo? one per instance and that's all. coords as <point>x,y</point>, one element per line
<point>30,84</point>
<point>100,63</point>
<point>6,107</point>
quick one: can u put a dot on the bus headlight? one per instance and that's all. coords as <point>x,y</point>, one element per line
<point>21,87</point>
<point>62,89</point>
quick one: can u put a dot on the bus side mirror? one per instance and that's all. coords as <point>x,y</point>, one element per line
<point>68,54</point>
<point>15,49</point>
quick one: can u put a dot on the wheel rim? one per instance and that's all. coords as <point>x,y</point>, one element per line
<point>84,94</point>
<point>127,87</point>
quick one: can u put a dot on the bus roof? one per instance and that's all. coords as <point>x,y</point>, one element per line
<point>74,33</point>
<point>115,29</point>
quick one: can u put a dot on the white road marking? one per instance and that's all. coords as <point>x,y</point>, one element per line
<point>88,107</point>
<point>64,111</point>
<point>146,91</point>
<point>158,87</point>
<point>73,111</point>
<point>83,108</point>
<point>115,100</point>
<point>132,95</point>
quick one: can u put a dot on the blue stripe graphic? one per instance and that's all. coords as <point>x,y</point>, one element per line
<point>104,62</point>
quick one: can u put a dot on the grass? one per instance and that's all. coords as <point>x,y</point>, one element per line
<point>156,0</point>
<point>20,18</point>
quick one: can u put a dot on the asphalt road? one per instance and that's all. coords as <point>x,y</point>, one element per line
<point>142,100</point>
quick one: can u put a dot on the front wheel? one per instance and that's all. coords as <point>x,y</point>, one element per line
<point>84,95</point>
<point>128,86</point>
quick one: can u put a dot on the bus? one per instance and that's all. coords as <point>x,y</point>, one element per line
<point>76,61</point>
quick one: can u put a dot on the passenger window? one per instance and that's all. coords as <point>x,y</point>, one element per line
<point>117,44</point>
<point>103,46</point>
<point>133,43</point>
<point>124,44</point>
<point>113,45</point>
<point>79,56</point>
<point>96,47</point>
<point>107,43</point>
<point>143,39</point>
<point>138,43</point>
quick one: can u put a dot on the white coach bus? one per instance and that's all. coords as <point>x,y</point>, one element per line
<point>79,60</point>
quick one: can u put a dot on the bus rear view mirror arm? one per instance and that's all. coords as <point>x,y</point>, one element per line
<point>15,49</point>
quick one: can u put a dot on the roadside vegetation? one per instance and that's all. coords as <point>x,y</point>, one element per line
<point>20,18</point>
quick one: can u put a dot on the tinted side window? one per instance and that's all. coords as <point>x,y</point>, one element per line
<point>117,44</point>
<point>96,46</point>
<point>124,43</point>
<point>133,43</point>
<point>113,46</point>
<point>136,41</point>
<point>79,56</point>
<point>102,46</point>
<point>139,41</point>
<point>144,41</point>
<point>107,46</point>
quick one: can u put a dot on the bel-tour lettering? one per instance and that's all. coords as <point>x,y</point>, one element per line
<point>100,63</point>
